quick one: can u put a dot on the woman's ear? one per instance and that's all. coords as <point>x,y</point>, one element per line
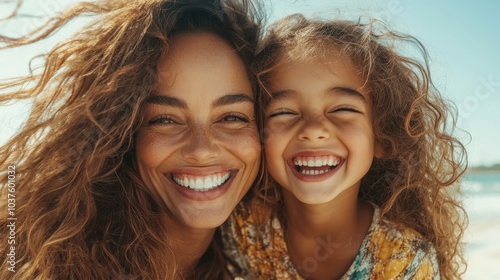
<point>378,150</point>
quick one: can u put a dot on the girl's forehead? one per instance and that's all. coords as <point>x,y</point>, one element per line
<point>321,55</point>
<point>331,69</point>
<point>332,60</point>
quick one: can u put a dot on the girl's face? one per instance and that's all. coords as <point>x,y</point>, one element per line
<point>198,151</point>
<point>318,128</point>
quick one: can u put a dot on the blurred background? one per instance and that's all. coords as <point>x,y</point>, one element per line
<point>462,39</point>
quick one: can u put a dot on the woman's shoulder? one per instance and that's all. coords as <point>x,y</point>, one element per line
<point>251,222</point>
<point>253,241</point>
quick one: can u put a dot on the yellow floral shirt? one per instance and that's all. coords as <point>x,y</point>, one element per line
<point>389,251</point>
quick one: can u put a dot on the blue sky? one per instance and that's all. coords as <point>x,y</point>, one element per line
<point>461,36</point>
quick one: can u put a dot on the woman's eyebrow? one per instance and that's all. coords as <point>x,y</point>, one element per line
<point>167,100</point>
<point>179,103</point>
<point>232,99</point>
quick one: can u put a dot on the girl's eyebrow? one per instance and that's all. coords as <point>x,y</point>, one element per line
<point>283,94</point>
<point>228,99</point>
<point>288,93</point>
<point>347,92</point>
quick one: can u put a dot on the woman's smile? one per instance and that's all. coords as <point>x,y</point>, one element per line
<point>201,183</point>
<point>198,151</point>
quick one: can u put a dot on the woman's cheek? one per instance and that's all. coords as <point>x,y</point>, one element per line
<point>249,142</point>
<point>152,147</point>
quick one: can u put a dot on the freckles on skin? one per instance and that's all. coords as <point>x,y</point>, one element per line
<point>246,139</point>
<point>250,144</point>
<point>199,125</point>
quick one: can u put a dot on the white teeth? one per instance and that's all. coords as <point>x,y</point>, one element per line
<point>316,161</point>
<point>321,161</point>
<point>324,160</point>
<point>199,184</point>
<point>314,172</point>
<point>202,183</point>
<point>208,182</point>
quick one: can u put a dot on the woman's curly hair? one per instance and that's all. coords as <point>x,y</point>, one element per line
<point>416,180</point>
<point>82,211</point>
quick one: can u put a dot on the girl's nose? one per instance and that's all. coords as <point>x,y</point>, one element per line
<point>313,130</point>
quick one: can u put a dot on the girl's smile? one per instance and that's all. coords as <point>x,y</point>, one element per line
<point>319,137</point>
<point>314,166</point>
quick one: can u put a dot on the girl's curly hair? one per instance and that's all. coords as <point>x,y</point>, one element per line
<point>416,180</point>
<point>82,211</point>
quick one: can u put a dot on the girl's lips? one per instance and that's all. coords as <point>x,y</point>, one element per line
<point>315,174</point>
<point>314,166</point>
<point>316,161</point>
<point>316,153</point>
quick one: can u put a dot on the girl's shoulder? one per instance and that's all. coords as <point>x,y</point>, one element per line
<point>385,233</point>
<point>391,250</point>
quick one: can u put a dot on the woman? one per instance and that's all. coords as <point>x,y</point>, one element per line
<point>141,141</point>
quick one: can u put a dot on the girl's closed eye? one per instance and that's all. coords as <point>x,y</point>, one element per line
<point>345,108</point>
<point>281,112</point>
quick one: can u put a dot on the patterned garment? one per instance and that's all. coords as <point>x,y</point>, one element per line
<point>389,251</point>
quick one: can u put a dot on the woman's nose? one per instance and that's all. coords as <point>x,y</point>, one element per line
<point>200,146</point>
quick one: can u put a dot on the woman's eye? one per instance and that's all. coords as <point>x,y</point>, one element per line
<point>280,112</point>
<point>163,120</point>
<point>232,118</point>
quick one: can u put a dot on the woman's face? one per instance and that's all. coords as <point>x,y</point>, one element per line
<point>198,151</point>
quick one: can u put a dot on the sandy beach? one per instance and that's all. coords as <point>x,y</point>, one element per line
<point>483,234</point>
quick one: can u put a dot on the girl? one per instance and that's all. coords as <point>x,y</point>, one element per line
<point>133,155</point>
<point>363,163</point>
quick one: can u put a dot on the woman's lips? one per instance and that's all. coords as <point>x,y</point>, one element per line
<point>201,183</point>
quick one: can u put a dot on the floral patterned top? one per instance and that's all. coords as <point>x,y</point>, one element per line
<point>389,251</point>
